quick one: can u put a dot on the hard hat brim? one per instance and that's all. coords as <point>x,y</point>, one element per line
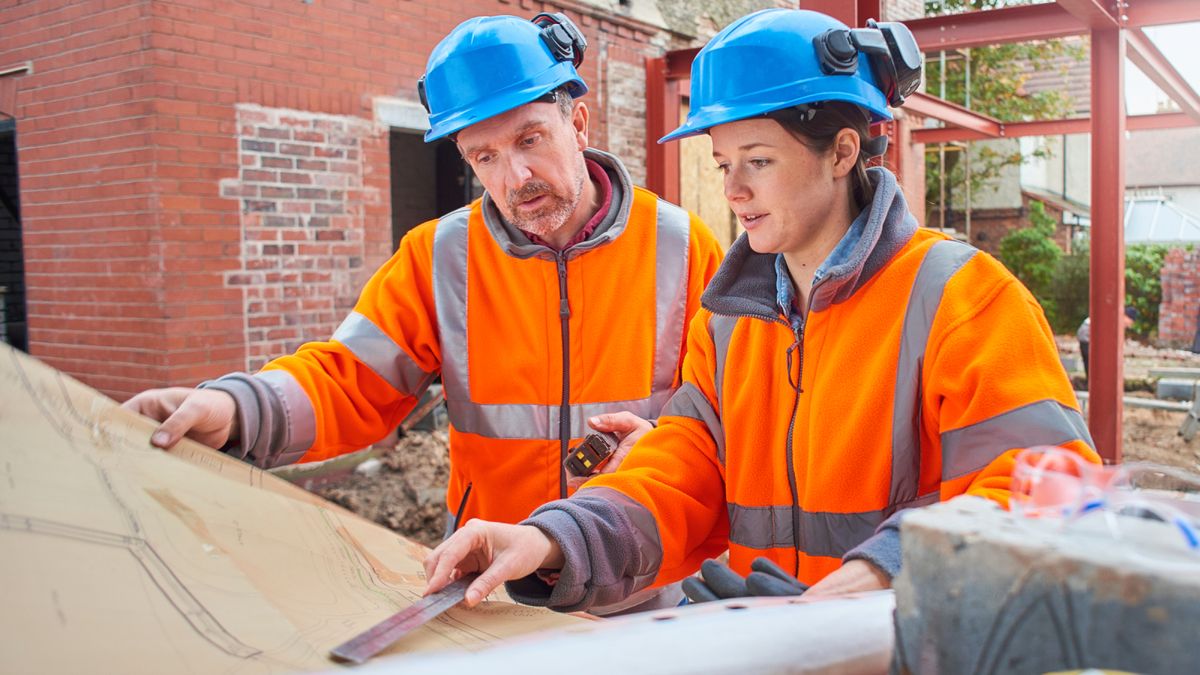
<point>454,121</point>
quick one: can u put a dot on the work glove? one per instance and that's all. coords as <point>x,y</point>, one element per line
<point>718,582</point>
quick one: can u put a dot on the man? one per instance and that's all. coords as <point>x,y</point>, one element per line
<point>1084,335</point>
<point>560,298</point>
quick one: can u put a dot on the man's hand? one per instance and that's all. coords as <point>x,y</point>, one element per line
<point>853,576</point>
<point>205,415</point>
<point>628,427</point>
<point>718,582</point>
<point>497,551</point>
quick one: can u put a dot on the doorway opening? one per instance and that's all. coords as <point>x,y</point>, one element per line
<point>428,180</point>
<point>12,259</point>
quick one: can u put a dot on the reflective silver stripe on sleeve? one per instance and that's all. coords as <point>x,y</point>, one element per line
<point>971,448</point>
<point>300,425</point>
<point>540,422</point>
<point>941,262</point>
<point>821,534</point>
<point>720,327</point>
<point>671,290</point>
<point>690,402</point>
<point>381,354</point>
<point>450,297</point>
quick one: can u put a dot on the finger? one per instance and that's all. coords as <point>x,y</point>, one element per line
<point>759,583</point>
<point>577,482</point>
<point>696,591</point>
<point>487,582</point>
<point>620,423</point>
<point>176,426</point>
<point>134,404</point>
<point>448,556</point>
<point>431,560</point>
<point>723,581</point>
<point>614,462</point>
<point>768,566</point>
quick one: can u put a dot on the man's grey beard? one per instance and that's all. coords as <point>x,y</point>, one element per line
<point>550,217</point>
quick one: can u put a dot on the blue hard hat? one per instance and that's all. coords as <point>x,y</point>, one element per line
<point>492,64</point>
<point>775,59</point>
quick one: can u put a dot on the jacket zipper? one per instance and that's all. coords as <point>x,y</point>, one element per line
<point>798,345</point>
<point>564,415</point>
<point>462,506</point>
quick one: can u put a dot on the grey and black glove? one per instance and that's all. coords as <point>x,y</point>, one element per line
<point>718,582</point>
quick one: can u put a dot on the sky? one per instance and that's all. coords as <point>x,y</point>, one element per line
<point>1178,43</point>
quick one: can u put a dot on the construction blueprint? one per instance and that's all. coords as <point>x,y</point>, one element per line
<point>119,557</point>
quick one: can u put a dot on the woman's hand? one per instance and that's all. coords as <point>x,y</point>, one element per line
<point>853,576</point>
<point>628,427</point>
<point>498,552</point>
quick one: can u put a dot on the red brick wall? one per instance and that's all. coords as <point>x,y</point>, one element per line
<point>303,206</point>
<point>990,226</point>
<point>148,247</point>
<point>89,198</point>
<point>1180,308</point>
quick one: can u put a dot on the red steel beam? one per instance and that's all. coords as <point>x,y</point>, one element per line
<point>1079,125</point>
<point>679,63</point>
<point>1036,22</point>
<point>1145,55</point>
<point>853,13</point>
<point>1144,13</point>
<point>995,26</point>
<point>1091,13</point>
<point>1106,381</point>
<point>662,116</point>
<point>952,113</point>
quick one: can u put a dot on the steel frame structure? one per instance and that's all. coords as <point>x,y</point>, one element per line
<point>1115,33</point>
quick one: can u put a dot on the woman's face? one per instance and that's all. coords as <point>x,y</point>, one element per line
<point>782,192</point>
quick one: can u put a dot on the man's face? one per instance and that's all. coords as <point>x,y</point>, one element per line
<point>530,160</point>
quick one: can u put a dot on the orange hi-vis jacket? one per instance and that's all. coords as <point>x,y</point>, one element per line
<point>921,367</point>
<point>529,343</point>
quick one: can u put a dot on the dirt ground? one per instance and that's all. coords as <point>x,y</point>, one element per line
<point>407,492</point>
<point>1149,435</point>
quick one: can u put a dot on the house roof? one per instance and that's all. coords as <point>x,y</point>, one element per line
<point>1155,220</point>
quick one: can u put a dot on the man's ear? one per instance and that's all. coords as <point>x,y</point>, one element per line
<point>579,121</point>
<point>846,148</point>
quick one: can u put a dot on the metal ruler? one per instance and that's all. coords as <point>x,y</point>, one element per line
<point>381,636</point>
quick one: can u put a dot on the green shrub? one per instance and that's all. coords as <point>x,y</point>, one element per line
<point>1143,285</point>
<point>1032,256</point>
<point>1070,290</point>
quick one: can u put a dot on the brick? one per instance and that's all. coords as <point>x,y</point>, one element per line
<point>257,146</point>
<point>298,178</point>
<point>295,149</point>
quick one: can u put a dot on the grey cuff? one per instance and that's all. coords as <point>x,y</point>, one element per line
<point>262,421</point>
<point>568,592</point>
<point>607,557</point>
<point>883,548</point>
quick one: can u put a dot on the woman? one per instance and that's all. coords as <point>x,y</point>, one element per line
<point>846,364</point>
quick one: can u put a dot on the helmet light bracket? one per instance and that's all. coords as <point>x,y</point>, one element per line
<point>564,39</point>
<point>890,48</point>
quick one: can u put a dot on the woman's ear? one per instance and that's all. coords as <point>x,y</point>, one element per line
<point>846,147</point>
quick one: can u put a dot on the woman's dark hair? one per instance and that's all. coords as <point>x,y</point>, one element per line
<point>816,126</point>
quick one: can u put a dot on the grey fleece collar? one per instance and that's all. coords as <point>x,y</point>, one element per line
<point>745,283</point>
<point>514,242</point>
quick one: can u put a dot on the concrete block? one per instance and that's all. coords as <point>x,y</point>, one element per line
<point>981,592</point>
<point>1177,389</point>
